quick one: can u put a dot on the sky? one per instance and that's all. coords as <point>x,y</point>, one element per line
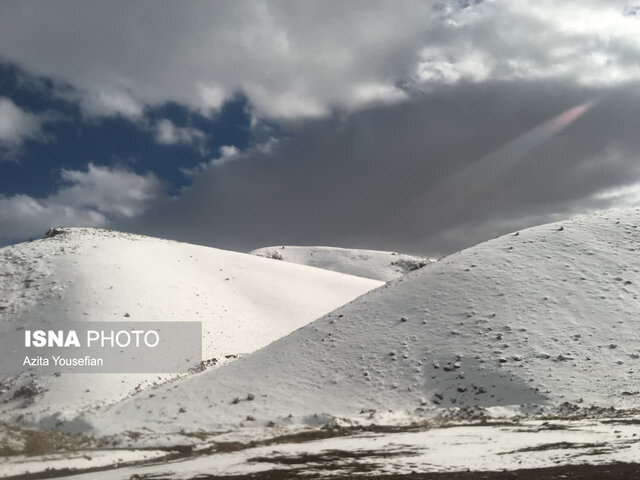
<point>417,126</point>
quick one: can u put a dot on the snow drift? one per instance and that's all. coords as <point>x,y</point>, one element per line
<point>374,264</point>
<point>540,317</point>
<point>244,302</point>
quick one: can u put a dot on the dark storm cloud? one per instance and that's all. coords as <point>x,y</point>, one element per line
<point>374,178</point>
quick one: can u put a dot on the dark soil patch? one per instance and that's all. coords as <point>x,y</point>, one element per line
<point>555,446</point>
<point>617,471</point>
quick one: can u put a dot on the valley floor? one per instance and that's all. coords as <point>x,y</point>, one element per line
<point>570,448</point>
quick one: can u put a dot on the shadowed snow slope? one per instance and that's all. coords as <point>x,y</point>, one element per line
<point>363,263</point>
<point>543,316</point>
<point>244,302</point>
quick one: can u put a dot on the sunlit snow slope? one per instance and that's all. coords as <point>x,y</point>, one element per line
<point>244,302</point>
<point>542,316</point>
<point>375,264</point>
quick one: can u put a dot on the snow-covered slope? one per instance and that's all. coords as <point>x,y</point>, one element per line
<point>374,264</point>
<point>542,316</point>
<point>244,302</point>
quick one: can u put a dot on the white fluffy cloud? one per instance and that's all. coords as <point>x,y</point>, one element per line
<point>111,103</point>
<point>302,59</point>
<point>592,42</point>
<point>167,133</point>
<point>228,153</point>
<point>18,126</point>
<point>94,197</point>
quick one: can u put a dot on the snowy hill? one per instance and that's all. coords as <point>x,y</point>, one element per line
<point>374,264</point>
<point>542,316</point>
<point>244,302</point>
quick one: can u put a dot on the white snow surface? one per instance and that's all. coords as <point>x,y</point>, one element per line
<point>24,465</point>
<point>540,317</point>
<point>376,264</point>
<point>244,302</point>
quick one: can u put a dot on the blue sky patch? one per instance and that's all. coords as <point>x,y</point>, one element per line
<point>73,140</point>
